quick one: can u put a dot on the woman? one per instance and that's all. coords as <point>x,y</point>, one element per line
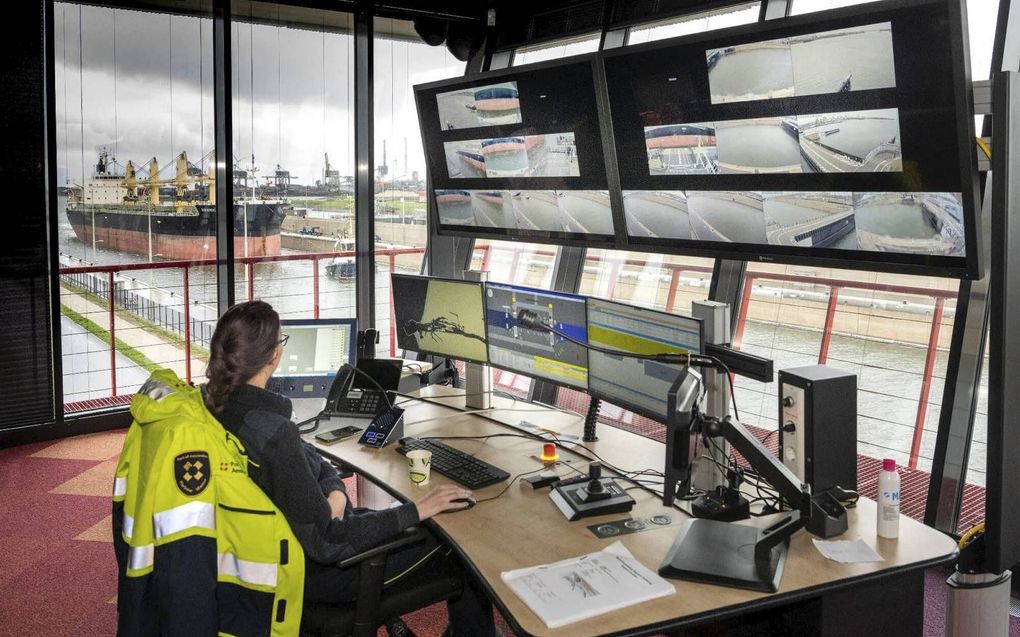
<point>245,350</point>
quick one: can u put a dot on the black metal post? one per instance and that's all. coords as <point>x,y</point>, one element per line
<point>223,122</point>
<point>364,157</point>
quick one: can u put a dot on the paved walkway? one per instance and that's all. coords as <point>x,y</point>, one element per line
<point>153,347</point>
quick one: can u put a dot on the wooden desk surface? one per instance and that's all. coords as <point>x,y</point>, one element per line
<point>524,528</point>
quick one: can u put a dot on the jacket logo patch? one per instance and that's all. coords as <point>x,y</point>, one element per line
<point>191,472</point>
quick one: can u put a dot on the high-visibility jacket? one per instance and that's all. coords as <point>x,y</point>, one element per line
<point>201,550</point>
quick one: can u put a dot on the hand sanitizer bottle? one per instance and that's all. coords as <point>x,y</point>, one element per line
<point>888,500</point>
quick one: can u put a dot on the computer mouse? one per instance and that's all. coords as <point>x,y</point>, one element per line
<point>470,503</point>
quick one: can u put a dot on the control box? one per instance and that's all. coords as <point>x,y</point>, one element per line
<point>818,425</point>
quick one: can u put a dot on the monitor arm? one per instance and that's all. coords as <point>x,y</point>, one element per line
<point>821,513</point>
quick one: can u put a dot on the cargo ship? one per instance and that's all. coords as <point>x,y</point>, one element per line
<point>172,218</point>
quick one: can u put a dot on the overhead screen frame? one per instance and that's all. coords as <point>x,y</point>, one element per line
<point>481,295</point>
<point>896,11</point>
<point>596,178</point>
<point>622,402</point>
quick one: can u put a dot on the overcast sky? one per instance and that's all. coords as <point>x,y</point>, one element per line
<point>141,83</point>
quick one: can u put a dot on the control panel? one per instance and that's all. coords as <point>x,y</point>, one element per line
<point>792,428</point>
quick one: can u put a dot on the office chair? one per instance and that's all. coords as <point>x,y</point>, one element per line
<point>374,604</point>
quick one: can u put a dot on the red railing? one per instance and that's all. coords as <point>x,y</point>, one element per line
<point>615,266</point>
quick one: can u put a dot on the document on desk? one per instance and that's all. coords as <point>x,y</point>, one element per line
<point>586,586</point>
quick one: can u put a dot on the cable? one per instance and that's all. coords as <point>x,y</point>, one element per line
<point>971,532</point>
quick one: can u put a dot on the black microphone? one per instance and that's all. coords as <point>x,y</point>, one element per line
<point>531,320</point>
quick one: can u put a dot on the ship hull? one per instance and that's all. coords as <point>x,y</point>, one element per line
<point>178,237</point>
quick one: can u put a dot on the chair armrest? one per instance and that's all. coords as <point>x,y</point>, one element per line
<point>408,536</point>
<point>343,470</point>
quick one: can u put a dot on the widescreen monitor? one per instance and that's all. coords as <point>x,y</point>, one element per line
<point>635,384</point>
<point>518,153</point>
<point>439,316</point>
<point>842,137</point>
<point>537,353</point>
<point>315,350</point>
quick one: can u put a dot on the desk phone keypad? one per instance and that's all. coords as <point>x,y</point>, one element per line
<point>367,403</point>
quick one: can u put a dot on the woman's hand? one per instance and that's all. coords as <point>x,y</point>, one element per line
<point>441,499</point>
<point>337,503</point>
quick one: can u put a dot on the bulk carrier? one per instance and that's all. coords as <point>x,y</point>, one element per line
<point>171,218</point>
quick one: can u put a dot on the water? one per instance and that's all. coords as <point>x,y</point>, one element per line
<point>900,219</point>
<point>286,284</point>
<point>821,65</point>
<point>757,146</point>
<point>861,136</point>
<point>751,73</point>
<point>788,214</point>
<point>734,219</point>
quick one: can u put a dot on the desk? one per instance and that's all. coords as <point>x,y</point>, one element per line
<point>523,528</point>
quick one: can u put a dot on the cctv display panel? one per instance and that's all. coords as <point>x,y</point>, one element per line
<point>440,316</point>
<point>537,353</point>
<point>518,154</point>
<point>842,137</point>
<point>315,350</point>
<point>638,385</point>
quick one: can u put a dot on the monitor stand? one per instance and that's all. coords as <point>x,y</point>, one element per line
<point>477,386</point>
<point>730,554</point>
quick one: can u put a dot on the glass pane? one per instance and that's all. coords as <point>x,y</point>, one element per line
<point>294,159</point>
<point>697,23</point>
<point>401,61</point>
<point>134,138</point>
<point>892,331</point>
<point>556,50</point>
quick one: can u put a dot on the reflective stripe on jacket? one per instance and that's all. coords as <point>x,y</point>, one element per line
<point>201,550</point>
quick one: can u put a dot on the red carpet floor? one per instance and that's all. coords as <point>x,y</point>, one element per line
<point>59,575</point>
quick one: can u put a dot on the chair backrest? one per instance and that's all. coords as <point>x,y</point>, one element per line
<point>193,534</point>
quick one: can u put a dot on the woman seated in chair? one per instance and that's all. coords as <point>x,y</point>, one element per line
<point>245,350</point>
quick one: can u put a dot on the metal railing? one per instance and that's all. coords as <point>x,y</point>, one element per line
<point>484,257</point>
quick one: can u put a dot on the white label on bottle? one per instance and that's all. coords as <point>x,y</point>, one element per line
<point>889,514</point>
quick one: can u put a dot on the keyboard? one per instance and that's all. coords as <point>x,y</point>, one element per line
<point>360,402</point>
<point>455,464</point>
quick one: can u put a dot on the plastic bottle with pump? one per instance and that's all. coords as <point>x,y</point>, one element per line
<point>888,500</point>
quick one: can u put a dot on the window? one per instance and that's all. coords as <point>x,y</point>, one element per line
<point>401,61</point>
<point>892,331</point>
<point>294,148</point>
<point>556,50</point>
<point>134,138</point>
<point>697,23</point>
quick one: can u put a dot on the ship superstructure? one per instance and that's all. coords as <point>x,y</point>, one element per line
<point>167,218</point>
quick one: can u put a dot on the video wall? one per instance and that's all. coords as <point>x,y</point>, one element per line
<point>842,137</point>
<point>519,153</point>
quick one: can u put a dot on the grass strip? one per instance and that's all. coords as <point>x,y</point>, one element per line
<point>93,328</point>
<point>166,336</point>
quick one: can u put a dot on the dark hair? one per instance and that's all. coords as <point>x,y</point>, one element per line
<point>243,343</point>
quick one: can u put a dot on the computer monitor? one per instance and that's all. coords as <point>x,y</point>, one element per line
<point>315,350</point>
<point>439,316</point>
<point>532,352</point>
<point>636,384</point>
